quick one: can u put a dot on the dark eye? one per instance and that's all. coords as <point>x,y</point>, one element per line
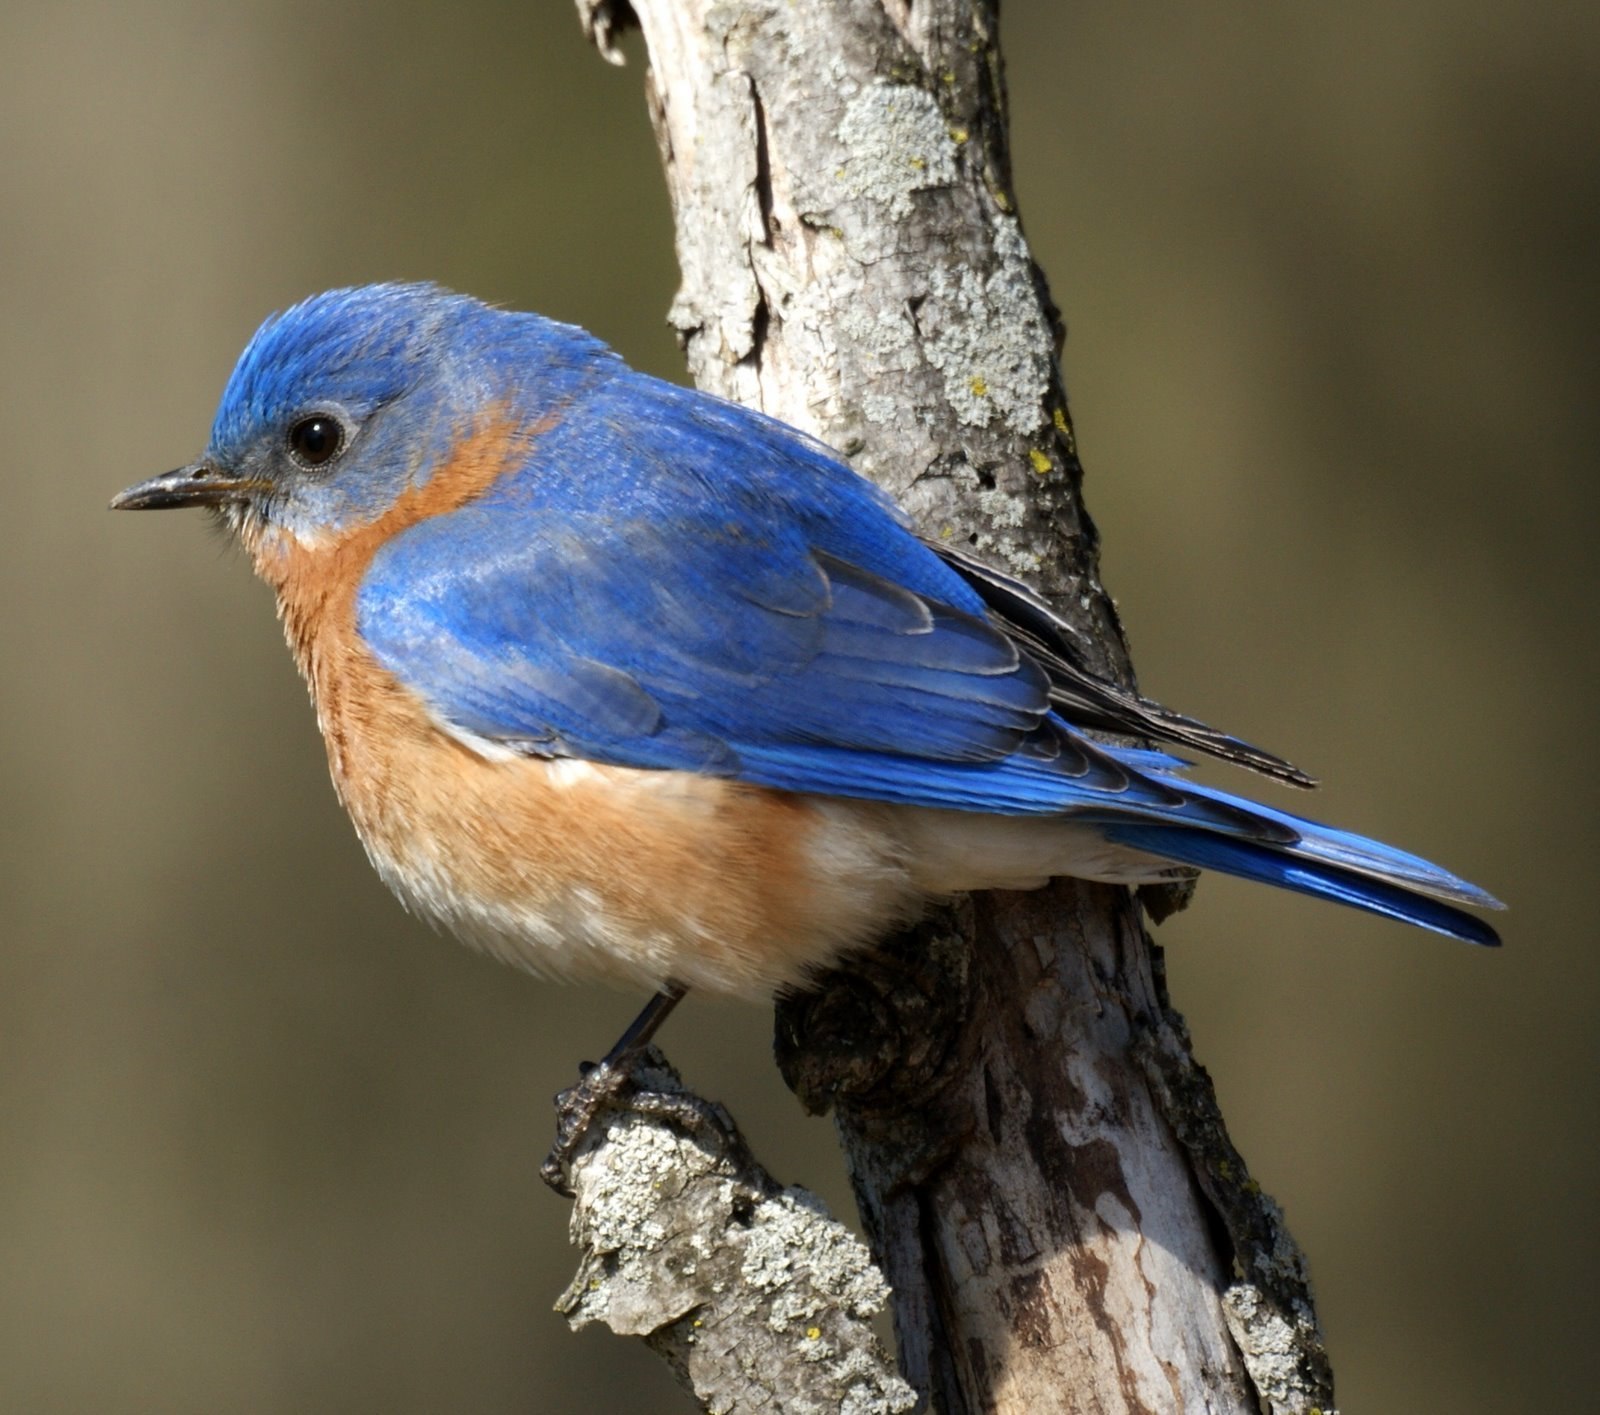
<point>316,440</point>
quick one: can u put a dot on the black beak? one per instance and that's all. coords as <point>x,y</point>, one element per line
<point>198,484</point>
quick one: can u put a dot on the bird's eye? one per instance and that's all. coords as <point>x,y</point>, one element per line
<point>317,440</point>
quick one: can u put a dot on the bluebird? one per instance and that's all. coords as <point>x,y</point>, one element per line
<point>622,681</point>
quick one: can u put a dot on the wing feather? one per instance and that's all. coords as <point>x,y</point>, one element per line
<point>670,581</point>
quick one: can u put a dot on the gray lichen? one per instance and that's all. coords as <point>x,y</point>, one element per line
<point>753,1293</point>
<point>898,143</point>
<point>987,337</point>
<point>796,1235</point>
<point>1274,1351</point>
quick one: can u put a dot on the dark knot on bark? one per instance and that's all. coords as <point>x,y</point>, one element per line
<point>882,1035</point>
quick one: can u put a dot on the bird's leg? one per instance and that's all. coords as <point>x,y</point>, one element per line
<point>603,1083</point>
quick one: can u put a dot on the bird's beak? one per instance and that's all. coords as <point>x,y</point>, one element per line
<point>198,484</point>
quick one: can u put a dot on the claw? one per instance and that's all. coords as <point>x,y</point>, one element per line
<point>604,1084</point>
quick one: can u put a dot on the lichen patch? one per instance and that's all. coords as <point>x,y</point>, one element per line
<point>898,143</point>
<point>987,338</point>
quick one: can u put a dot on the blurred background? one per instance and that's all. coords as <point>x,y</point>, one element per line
<point>267,1145</point>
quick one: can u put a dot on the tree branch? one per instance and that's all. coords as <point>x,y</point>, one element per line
<point>755,1297</point>
<point>1040,1164</point>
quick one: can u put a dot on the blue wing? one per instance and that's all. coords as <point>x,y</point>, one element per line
<point>670,581</point>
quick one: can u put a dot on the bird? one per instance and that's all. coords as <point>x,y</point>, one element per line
<point>621,681</point>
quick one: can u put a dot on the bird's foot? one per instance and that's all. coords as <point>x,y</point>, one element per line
<point>608,1082</point>
<point>616,1084</point>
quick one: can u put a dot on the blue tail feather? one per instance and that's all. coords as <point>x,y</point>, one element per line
<point>1342,849</point>
<point>1289,869</point>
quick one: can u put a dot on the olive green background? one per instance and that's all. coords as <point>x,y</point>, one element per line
<point>267,1145</point>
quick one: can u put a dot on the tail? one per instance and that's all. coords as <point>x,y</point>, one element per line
<point>1326,864</point>
<point>1137,800</point>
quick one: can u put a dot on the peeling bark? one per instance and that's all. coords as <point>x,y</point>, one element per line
<point>1040,1164</point>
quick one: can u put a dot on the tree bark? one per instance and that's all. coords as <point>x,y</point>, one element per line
<point>1040,1163</point>
<point>750,1292</point>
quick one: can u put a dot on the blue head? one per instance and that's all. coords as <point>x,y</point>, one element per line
<point>345,401</point>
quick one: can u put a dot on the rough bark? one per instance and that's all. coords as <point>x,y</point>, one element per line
<point>1040,1164</point>
<point>755,1297</point>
